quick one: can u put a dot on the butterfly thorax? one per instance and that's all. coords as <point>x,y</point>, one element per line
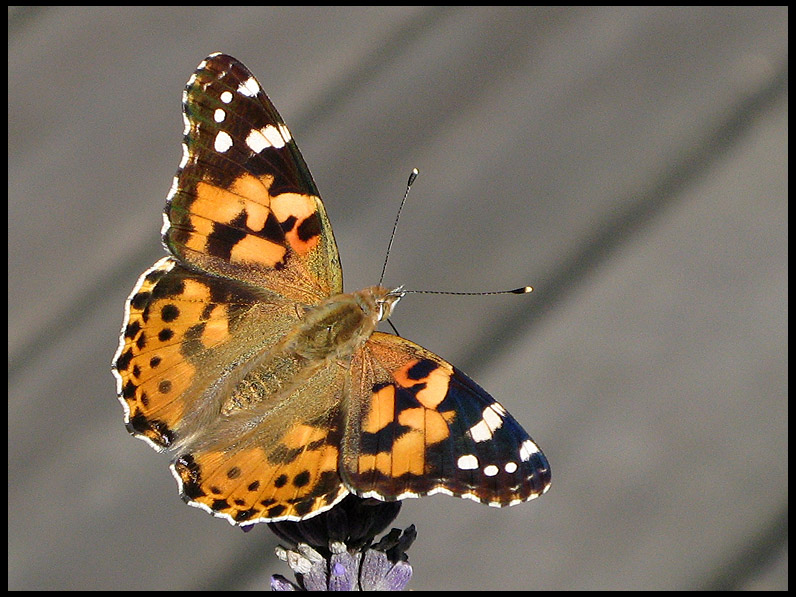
<point>337,327</point>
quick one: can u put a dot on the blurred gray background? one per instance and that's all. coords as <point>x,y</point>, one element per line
<point>629,163</point>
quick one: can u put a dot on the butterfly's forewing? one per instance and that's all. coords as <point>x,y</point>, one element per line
<point>243,204</point>
<point>416,425</point>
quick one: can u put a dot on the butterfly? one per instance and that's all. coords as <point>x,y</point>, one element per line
<point>241,355</point>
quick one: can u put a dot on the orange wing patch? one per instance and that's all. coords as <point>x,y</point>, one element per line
<point>432,384</point>
<point>245,224</point>
<point>398,424</point>
<point>300,220</point>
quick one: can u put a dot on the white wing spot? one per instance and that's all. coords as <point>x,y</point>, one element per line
<point>268,136</point>
<point>249,87</point>
<point>528,449</point>
<point>510,467</point>
<point>491,470</point>
<point>274,135</point>
<point>491,420</point>
<point>164,228</point>
<point>226,97</point>
<point>480,432</point>
<point>186,124</point>
<point>493,416</point>
<point>285,133</point>
<point>467,462</point>
<point>223,142</point>
<point>219,115</point>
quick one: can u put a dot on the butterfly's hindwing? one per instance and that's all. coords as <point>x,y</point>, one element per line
<point>274,460</point>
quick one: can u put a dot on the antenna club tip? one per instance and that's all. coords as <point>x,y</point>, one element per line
<point>524,290</point>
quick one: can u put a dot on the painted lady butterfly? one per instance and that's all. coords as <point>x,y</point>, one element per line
<point>241,355</point>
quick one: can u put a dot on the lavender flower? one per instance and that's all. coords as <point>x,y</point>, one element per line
<point>334,551</point>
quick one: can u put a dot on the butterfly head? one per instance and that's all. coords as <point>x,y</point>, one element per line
<point>378,302</point>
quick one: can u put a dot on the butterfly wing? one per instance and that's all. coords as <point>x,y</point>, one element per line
<point>243,204</point>
<point>416,425</point>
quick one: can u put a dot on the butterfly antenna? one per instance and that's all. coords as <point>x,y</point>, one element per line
<point>412,178</point>
<point>521,290</point>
